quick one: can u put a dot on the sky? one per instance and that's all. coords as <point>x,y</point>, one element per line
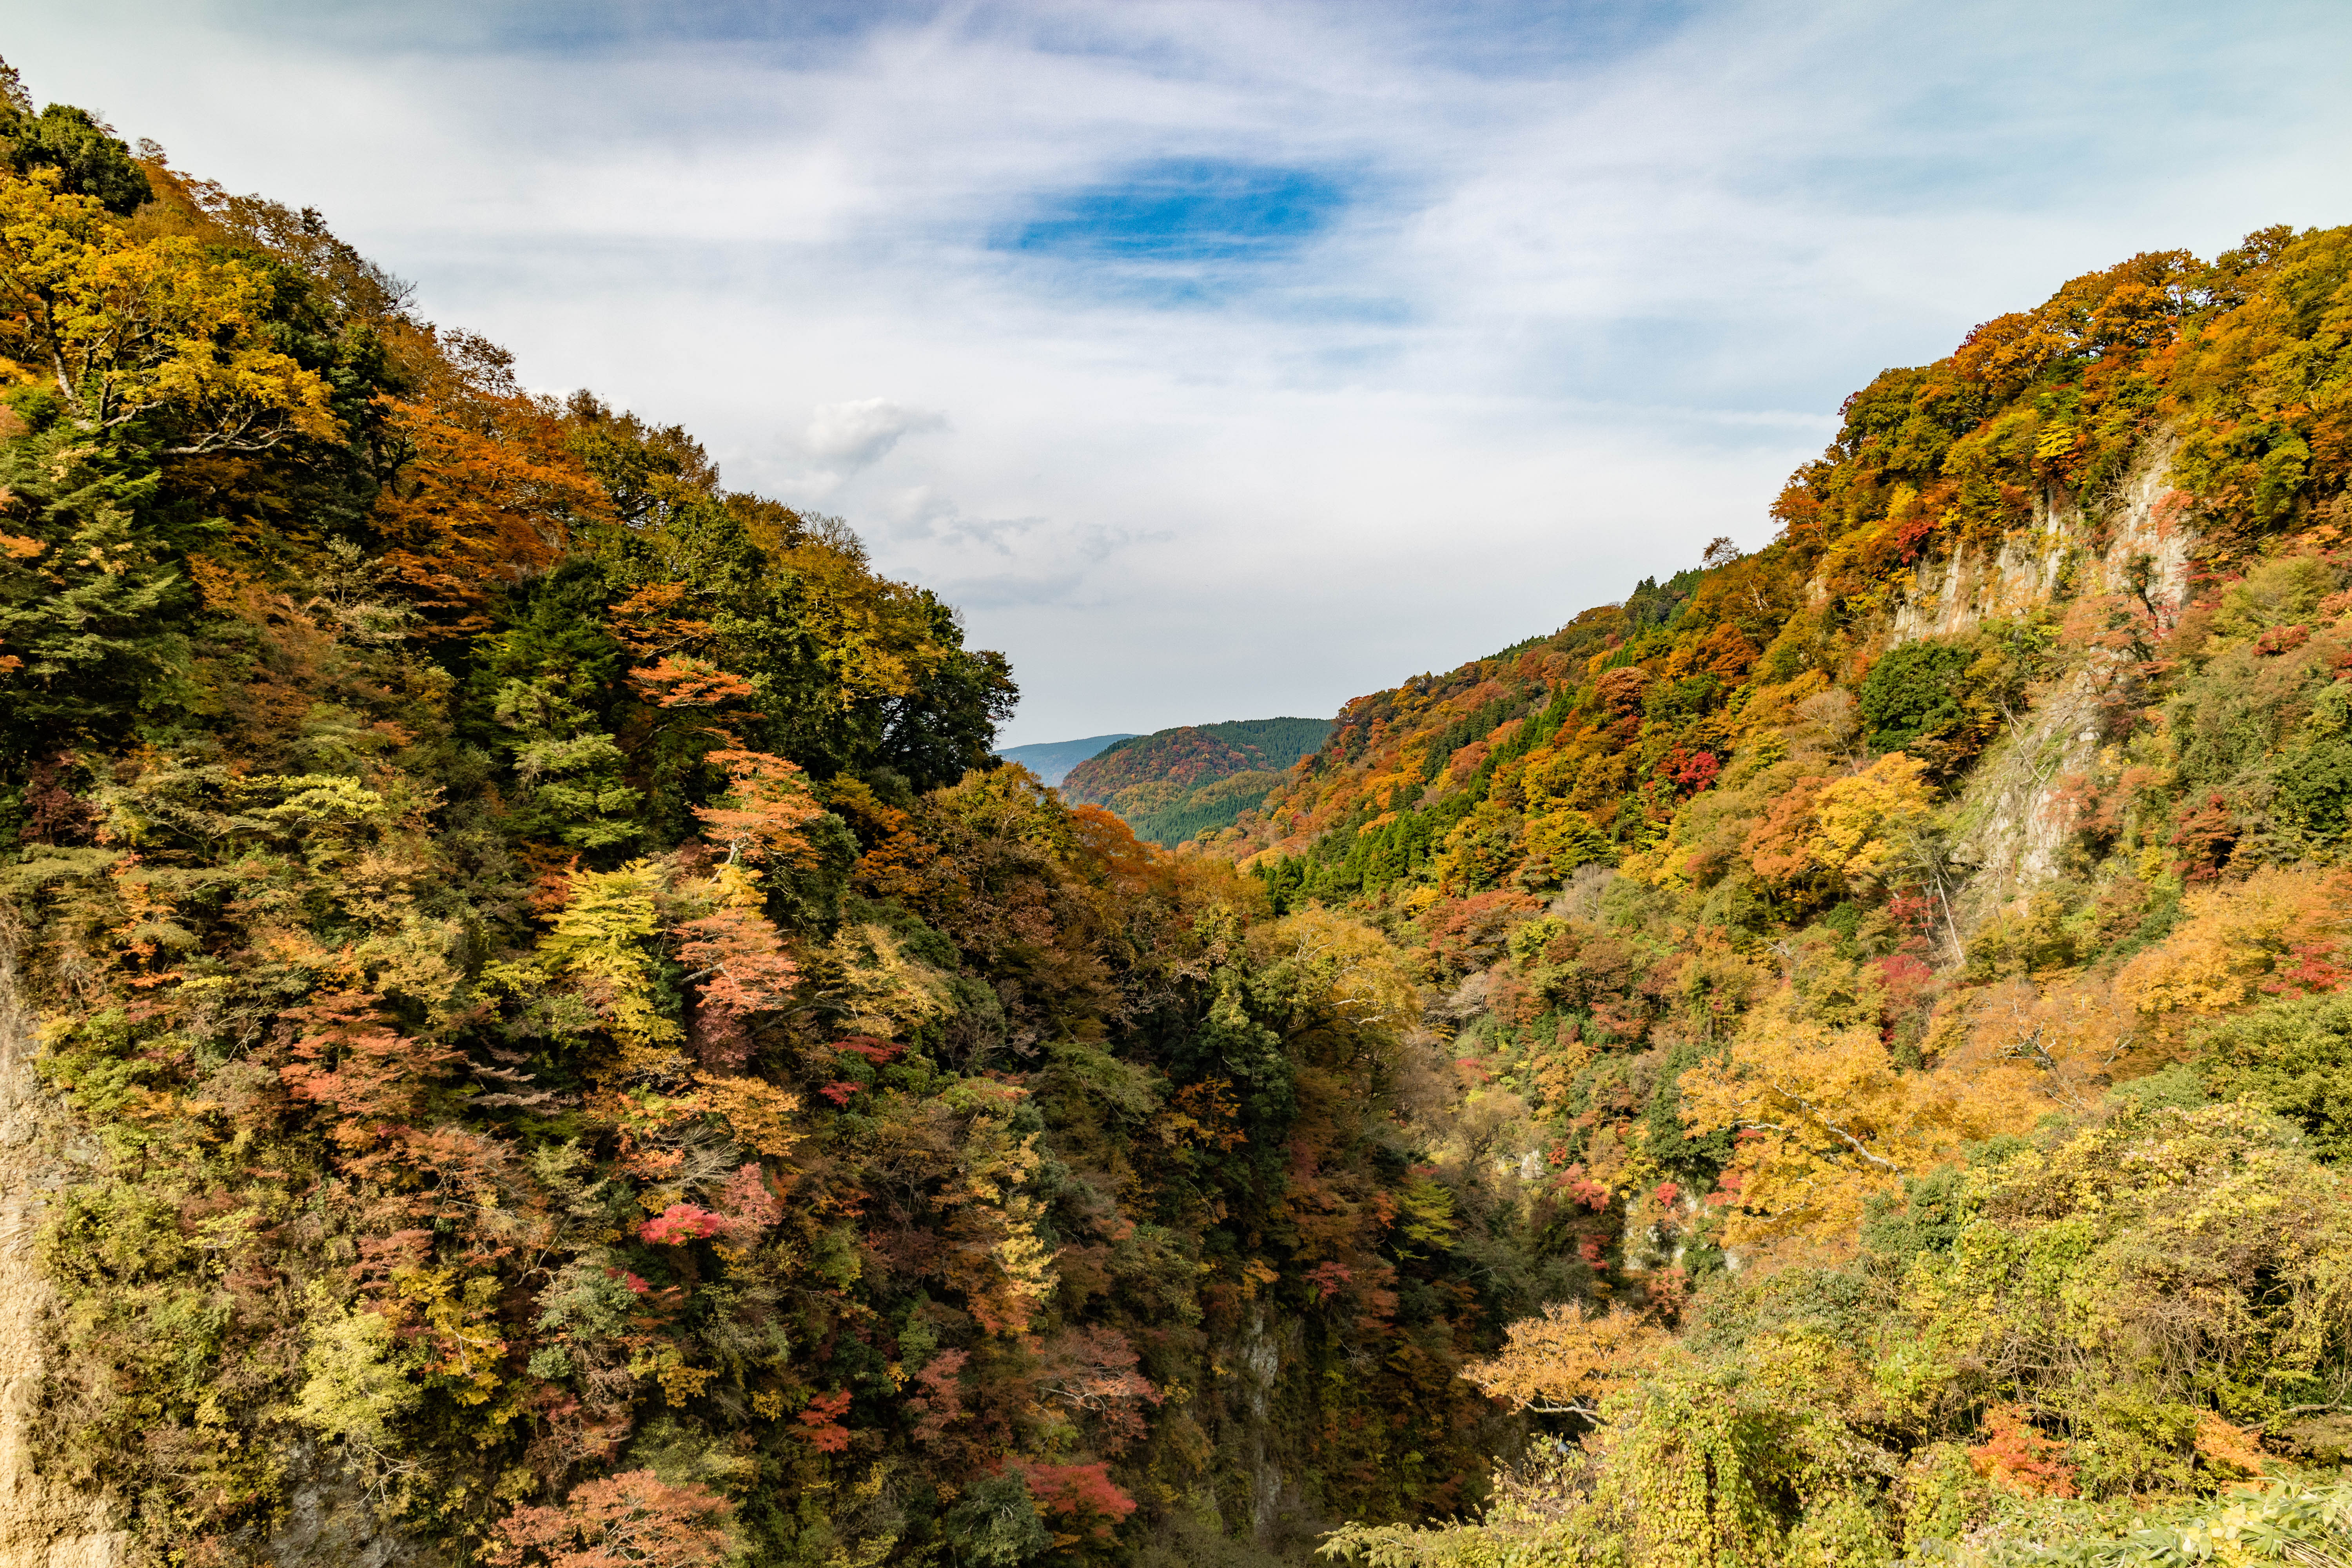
<point>1228,360</point>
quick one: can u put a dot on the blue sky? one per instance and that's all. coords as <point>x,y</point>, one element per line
<point>1211,216</point>
<point>1225,360</point>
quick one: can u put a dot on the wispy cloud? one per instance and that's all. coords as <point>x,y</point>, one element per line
<point>995,563</point>
<point>1242,356</point>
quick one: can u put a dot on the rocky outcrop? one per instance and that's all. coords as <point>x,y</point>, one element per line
<point>43,1523</point>
<point>1268,1350</point>
<point>2012,825</point>
<point>2134,541</point>
<point>327,1523</point>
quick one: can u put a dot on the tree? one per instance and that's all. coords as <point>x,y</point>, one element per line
<point>1823,1118</point>
<point>633,1520</point>
<point>2278,933</point>
<point>997,1523</point>
<point>95,601</point>
<point>570,771</point>
<point>736,960</point>
<point>762,820</point>
<point>1567,1361</point>
<point>1912,694</point>
<point>371,1079</point>
<point>88,157</point>
<point>483,494</point>
<point>1860,824</point>
<point>2293,1058</point>
<point>1086,1500</point>
<point>159,331</point>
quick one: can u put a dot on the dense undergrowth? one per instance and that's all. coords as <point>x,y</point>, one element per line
<point>567,1047</point>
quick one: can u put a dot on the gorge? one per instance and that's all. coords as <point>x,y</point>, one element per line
<point>538,1031</point>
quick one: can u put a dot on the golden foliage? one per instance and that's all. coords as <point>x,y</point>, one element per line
<point>1570,1359</point>
<point>871,631</point>
<point>1825,1119</point>
<point>127,331</point>
<point>761,1116</point>
<point>881,991</point>
<point>1859,823</point>
<point>601,941</point>
<point>2239,940</point>
<point>1365,979</point>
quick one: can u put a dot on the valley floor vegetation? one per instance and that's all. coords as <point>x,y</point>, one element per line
<point>562,1048</point>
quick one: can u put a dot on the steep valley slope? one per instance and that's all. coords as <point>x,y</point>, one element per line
<point>1926,932</point>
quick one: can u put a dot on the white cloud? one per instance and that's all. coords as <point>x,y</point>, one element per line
<point>843,440</point>
<point>852,436</point>
<point>1609,270</point>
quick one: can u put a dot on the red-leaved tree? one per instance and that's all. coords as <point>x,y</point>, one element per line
<point>372,1079</point>
<point>633,1520</point>
<point>1082,1500</point>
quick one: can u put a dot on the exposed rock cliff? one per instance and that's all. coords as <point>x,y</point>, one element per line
<point>2133,546</point>
<point>2133,541</point>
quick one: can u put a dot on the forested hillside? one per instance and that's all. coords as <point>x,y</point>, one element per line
<point>555,1046</point>
<point>551,1042</point>
<point>1173,785</point>
<point>1924,933</point>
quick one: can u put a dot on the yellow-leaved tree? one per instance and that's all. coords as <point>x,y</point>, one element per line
<point>125,331</point>
<point>1825,1119</point>
<point>1860,823</point>
<point>602,945</point>
<point>2279,931</point>
<point>1568,1360</point>
<point>1364,980</point>
<point>1852,830</point>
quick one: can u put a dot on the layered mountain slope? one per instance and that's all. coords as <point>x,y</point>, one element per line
<point>2036,503</point>
<point>1935,917</point>
<point>1172,784</point>
<point>1051,760</point>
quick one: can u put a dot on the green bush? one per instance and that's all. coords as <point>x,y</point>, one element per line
<point>2315,790</point>
<point>1913,694</point>
<point>2293,1058</point>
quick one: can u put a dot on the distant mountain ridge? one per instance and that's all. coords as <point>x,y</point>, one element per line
<point>1052,760</point>
<point>1173,785</point>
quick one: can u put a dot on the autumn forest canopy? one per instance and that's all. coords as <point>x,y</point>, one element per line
<point>548,1038</point>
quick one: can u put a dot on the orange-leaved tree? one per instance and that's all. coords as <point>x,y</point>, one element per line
<point>484,491</point>
<point>767,804</point>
